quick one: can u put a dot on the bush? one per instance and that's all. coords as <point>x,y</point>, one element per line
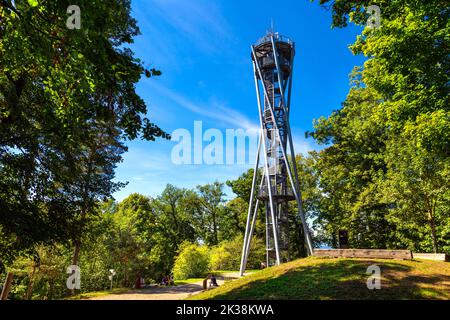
<point>221,258</point>
<point>227,255</point>
<point>191,262</point>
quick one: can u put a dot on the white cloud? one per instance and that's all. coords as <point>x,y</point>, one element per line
<point>215,111</point>
<point>301,145</point>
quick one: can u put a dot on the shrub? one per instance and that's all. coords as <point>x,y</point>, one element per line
<point>227,255</point>
<point>191,262</point>
<point>221,258</point>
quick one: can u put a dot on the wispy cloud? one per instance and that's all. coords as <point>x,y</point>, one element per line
<point>214,110</point>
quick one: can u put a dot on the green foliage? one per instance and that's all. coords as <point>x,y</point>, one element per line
<point>237,208</point>
<point>227,255</point>
<point>135,242</point>
<point>43,278</point>
<point>139,236</point>
<point>210,211</point>
<point>418,178</point>
<point>234,218</point>
<point>66,108</point>
<point>385,175</point>
<point>242,186</point>
<point>193,261</point>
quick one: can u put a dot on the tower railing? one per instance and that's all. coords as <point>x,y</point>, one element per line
<point>276,36</point>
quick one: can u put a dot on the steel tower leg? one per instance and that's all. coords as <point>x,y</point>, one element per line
<point>247,244</point>
<point>247,228</point>
<point>299,200</point>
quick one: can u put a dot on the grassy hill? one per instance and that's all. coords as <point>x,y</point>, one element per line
<point>319,278</point>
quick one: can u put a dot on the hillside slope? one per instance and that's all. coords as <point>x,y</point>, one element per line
<point>316,278</point>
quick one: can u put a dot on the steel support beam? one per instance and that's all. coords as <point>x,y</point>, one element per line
<point>295,184</point>
<point>247,227</point>
<point>266,162</point>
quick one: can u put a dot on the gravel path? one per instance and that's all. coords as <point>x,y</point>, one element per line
<point>163,293</point>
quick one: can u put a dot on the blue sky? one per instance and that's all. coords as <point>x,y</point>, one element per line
<point>202,48</point>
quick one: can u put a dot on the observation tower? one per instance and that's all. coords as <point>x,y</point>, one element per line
<point>273,65</point>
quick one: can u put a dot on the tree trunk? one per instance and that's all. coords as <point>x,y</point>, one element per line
<point>302,251</point>
<point>215,228</point>
<point>77,242</point>
<point>175,221</point>
<point>126,276</point>
<point>75,258</point>
<point>50,293</point>
<point>433,232</point>
<point>31,284</point>
<point>7,286</point>
<point>76,252</point>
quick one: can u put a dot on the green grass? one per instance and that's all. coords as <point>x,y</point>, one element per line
<point>320,278</point>
<point>96,294</point>
<point>221,272</point>
<point>216,273</point>
<point>188,281</point>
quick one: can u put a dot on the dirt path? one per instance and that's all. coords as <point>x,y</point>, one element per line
<point>163,293</point>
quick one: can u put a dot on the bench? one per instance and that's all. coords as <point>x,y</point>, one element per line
<point>432,256</point>
<point>364,253</point>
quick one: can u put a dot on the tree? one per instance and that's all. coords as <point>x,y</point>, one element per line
<point>176,213</point>
<point>174,225</point>
<point>66,106</point>
<point>211,211</point>
<point>191,262</point>
<point>92,179</point>
<point>242,187</point>
<point>349,169</point>
<point>227,255</point>
<point>234,218</point>
<point>418,179</point>
<point>311,195</point>
<point>377,163</point>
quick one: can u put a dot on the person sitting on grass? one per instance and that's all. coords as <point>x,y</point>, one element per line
<point>138,283</point>
<point>168,281</point>
<point>213,281</point>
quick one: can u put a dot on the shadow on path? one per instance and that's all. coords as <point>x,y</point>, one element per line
<point>158,293</point>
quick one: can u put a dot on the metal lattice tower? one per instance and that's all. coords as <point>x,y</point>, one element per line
<point>273,65</point>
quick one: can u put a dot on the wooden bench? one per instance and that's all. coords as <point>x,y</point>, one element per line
<point>432,256</point>
<point>364,253</point>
